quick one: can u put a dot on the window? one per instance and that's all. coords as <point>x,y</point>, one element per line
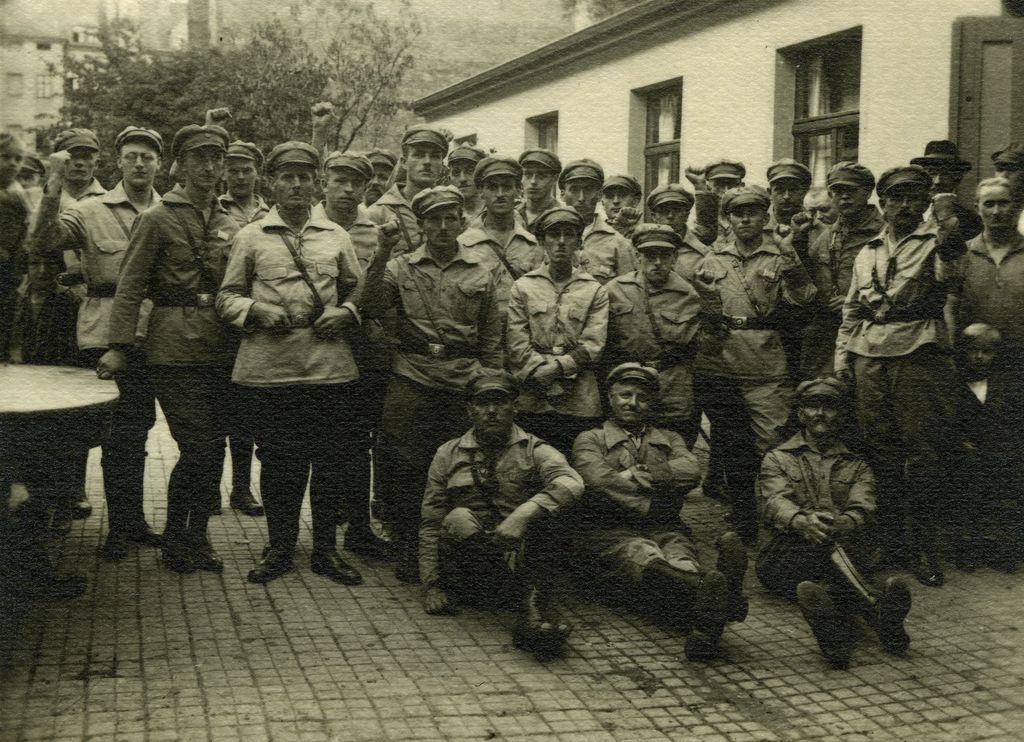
<point>43,46</point>
<point>542,131</point>
<point>664,109</point>
<point>826,115</point>
<point>15,85</point>
<point>44,86</point>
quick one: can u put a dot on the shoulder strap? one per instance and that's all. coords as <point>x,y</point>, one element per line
<point>423,297</point>
<point>197,252</point>
<point>655,328</point>
<point>297,259</point>
<point>126,229</point>
<point>504,261</point>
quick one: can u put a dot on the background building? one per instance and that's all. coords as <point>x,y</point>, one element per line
<point>670,83</point>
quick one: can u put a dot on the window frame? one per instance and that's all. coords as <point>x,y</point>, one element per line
<point>653,152</point>
<point>538,126</point>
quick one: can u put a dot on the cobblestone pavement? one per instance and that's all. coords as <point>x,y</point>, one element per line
<point>150,655</point>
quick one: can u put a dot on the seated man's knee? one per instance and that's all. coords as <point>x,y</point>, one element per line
<point>461,524</point>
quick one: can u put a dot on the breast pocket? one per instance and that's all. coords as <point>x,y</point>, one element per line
<point>468,300</point>
<point>272,283</point>
<point>412,299</point>
<point>106,263</point>
<point>676,326</point>
<point>326,281</point>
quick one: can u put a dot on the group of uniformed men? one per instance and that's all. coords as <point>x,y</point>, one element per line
<point>529,357</point>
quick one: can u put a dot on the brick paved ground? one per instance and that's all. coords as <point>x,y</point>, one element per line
<point>149,655</point>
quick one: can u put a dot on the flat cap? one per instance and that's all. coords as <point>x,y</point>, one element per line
<point>636,372</point>
<point>557,215</point>
<point>725,169</point>
<point>789,168</point>
<point>381,157</point>
<point>903,175</point>
<point>438,197</point>
<point>71,138</point>
<point>647,236</point>
<point>33,163</point>
<point>627,182</point>
<point>491,380</point>
<point>543,157</point>
<point>139,134</point>
<point>744,195</point>
<point>194,136</point>
<point>466,153</point>
<point>293,153</point>
<point>496,165</point>
<point>824,387</point>
<point>585,168</point>
<point>349,161</point>
<point>670,193</point>
<point>423,134</point>
<point>942,153</point>
<point>1012,154</point>
<point>240,150</point>
<point>851,174</point>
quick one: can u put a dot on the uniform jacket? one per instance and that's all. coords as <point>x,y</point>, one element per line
<point>606,253</point>
<point>832,255</point>
<point>236,212</point>
<point>393,205</point>
<point>691,255</point>
<point>160,262</point>
<point>526,470</point>
<point>568,325</point>
<point>261,269</point>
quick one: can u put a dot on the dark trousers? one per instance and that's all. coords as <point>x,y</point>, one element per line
<point>906,410</point>
<point>196,401</point>
<point>557,429</point>
<point>124,442</point>
<point>788,559</point>
<point>367,395</point>
<point>298,429</point>
<point>8,304</point>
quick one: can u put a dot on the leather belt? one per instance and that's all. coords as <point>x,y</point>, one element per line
<point>178,297</point>
<point>748,323</point>
<point>439,351</point>
<point>893,314</point>
<point>101,291</point>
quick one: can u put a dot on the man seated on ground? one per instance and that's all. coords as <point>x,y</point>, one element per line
<point>819,498</point>
<point>630,527</point>
<point>491,500</point>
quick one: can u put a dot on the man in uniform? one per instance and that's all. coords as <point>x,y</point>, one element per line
<point>97,230</point>
<point>243,165</point>
<point>720,176</point>
<point>14,217</point>
<point>831,257</point>
<point>894,344</point>
<point>620,196</point>
<point>606,253</point>
<point>492,497</point>
<point>176,258</point>
<point>630,528</point>
<point>462,162</point>
<point>818,499</point>
<point>423,152</point>
<point>290,282</point>
<point>383,165</point>
<point>942,160</point>
<point>541,168</point>
<point>744,388</point>
<point>557,325</point>
<point>788,183</point>
<point>671,205</point>
<point>448,325</point>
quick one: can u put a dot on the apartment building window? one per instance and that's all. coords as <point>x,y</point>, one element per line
<point>44,86</point>
<point>15,85</point>
<point>664,113</point>
<point>543,131</point>
<point>826,115</point>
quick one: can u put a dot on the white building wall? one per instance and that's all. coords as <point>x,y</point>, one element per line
<point>728,73</point>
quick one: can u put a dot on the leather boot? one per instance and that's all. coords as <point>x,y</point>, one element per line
<point>538,630</point>
<point>830,628</point>
<point>890,611</point>
<point>732,563</point>
<point>244,502</point>
<point>670,593</point>
<point>710,613</point>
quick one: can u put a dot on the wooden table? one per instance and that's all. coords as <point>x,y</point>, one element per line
<point>56,392</point>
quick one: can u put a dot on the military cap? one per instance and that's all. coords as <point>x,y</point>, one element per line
<point>349,161</point>
<point>381,157</point>
<point>585,168</point>
<point>942,153</point>
<point>71,138</point>
<point>466,153</point>
<point>438,197</point>
<point>543,157</point>
<point>627,182</point>
<point>293,152</point>
<point>903,175</point>
<point>496,165</point>
<point>743,195</point>
<point>850,173</point>
<point>1013,155</point>
<point>633,371</point>
<point>557,215</point>
<point>492,380</point>
<point>240,150</point>
<point>33,163</point>
<point>789,168</point>
<point>822,388</point>
<point>138,134</point>
<point>648,236</point>
<point>670,193</point>
<point>423,134</point>
<point>725,169</point>
<point>194,136</point>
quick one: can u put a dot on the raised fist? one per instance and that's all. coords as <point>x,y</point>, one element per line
<point>696,177</point>
<point>218,116</point>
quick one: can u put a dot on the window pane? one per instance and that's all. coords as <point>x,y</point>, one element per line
<point>828,81</point>
<point>816,152</point>
<point>663,113</point>
<point>547,135</point>
<point>661,169</point>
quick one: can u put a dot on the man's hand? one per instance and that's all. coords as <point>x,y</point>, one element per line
<point>390,233</point>
<point>547,371</point>
<point>436,601</point>
<point>801,222</point>
<point>642,476</point>
<point>333,322</point>
<point>218,117</point>
<point>268,317</point>
<point>710,297</point>
<point>835,304</point>
<point>58,163</point>
<point>325,123</point>
<point>78,292</point>
<point>811,527</point>
<point>626,218</point>
<point>111,363</point>
<point>696,177</point>
<point>839,525</point>
<point>510,531</point>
